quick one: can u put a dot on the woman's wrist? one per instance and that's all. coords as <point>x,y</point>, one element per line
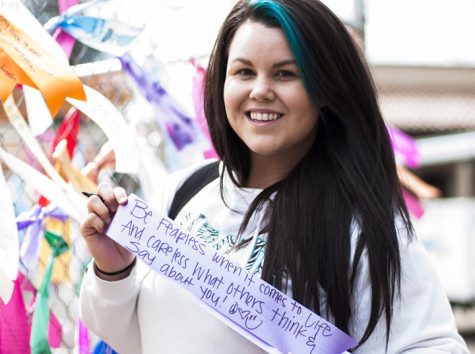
<point>117,275</point>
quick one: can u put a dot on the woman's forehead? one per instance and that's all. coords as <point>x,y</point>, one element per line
<point>254,38</point>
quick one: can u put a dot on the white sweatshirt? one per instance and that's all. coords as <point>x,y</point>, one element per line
<point>146,313</point>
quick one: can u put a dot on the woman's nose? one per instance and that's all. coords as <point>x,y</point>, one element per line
<point>262,90</point>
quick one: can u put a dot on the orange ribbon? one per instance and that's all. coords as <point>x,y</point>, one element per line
<point>24,61</point>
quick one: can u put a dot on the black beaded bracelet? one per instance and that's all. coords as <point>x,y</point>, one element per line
<point>119,271</point>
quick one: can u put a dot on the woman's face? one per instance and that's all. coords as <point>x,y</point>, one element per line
<point>265,98</point>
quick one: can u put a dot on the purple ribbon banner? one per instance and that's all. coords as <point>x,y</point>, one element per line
<point>252,307</point>
<point>181,129</point>
<point>33,222</point>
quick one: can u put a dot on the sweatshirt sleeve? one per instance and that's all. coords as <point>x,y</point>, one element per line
<point>423,320</point>
<point>109,309</point>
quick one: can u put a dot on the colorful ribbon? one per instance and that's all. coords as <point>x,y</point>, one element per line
<point>39,115</point>
<point>9,247</point>
<point>14,328</point>
<point>104,348</point>
<point>81,338</point>
<point>66,198</point>
<point>412,204</point>
<point>198,105</point>
<point>25,61</point>
<point>406,153</point>
<point>68,130</point>
<point>171,119</point>
<point>405,147</point>
<point>33,222</point>
<point>106,35</point>
<point>65,40</point>
<point>41,316</point>
<point>15,325</point>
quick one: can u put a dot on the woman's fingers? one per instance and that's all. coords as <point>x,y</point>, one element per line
<point>120,195</point>
<point>106,192</point>
<point>96,207</point>
<point>92,224</point>
<point>103,205</point>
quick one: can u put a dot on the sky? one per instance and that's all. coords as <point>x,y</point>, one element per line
<point>416,32</point>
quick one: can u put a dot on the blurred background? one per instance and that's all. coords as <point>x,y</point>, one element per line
<point>422,57</point>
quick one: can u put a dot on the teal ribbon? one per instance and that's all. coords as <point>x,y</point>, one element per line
<point>39,328</point>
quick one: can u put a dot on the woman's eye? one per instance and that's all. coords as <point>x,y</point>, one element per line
<point>245,72</point>
<point>286,74</point>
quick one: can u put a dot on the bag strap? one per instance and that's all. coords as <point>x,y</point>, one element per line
<point>192,186</point>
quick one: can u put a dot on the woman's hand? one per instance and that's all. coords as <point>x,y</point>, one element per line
<point>108,255</point>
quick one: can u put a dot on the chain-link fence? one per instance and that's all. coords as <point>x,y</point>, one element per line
<point>69,267</point>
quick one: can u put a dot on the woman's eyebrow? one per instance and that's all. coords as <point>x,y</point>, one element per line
<point>275,65</point>
<point>242,60</point>
<point>284,62</point>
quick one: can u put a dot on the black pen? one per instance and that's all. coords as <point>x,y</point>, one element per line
<point>91,194</point>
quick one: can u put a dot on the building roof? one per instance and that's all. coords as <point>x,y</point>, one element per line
<point>422,100</point>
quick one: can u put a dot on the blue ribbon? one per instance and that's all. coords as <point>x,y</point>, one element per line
<point>104,348</point>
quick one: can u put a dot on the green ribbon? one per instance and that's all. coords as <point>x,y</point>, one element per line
<point>39,328</point>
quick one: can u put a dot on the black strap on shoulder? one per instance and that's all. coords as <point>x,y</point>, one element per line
<point>193,185</point>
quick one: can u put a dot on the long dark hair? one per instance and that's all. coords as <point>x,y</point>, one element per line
<point>348,178</point>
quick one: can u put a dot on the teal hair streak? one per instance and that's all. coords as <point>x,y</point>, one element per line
<point>279,13</point>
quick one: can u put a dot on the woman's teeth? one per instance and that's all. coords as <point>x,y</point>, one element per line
<point>264,116</point>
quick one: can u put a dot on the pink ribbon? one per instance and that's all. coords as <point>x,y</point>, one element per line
<point>65,40</point>
<point>198,104</point>
<point>81,338</point>
<point>412,204</point>
<point>15,326</point>
<point>404,147</point>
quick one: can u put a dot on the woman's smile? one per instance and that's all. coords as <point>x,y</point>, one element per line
<point>259,117</point>
<point>263,117</point>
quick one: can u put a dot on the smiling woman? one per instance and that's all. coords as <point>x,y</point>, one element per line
<point>307,198</point>
<point>267,104</point>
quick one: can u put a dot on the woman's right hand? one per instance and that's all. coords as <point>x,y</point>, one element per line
<point>108,255</point>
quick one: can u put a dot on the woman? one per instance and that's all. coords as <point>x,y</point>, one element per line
<point>307,179</point>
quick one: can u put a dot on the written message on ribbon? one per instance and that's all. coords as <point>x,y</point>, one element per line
<point>259,310</point>
<point>24,61</point>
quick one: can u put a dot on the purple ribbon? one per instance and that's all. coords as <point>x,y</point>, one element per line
<point>32,222</point>
<point>170,118</point>
<point>252,307</point>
